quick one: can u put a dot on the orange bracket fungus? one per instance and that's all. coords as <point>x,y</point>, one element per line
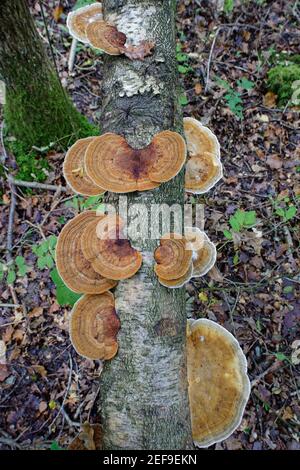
<point>75,270</point>
<point>114,165</point>
<point>74,172</point>
<point>79,19</point>
<point>173,261</point>
<point>218,383</point>
<point>109,253</point>
<point>204,251</point>
<point>94,325</point>
<point>86,24</point>
<point>203,168</point>
<point>106,37</point>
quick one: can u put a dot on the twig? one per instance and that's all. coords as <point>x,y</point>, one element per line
<point>9,306</point>
<point>72,55</point>
<point>209,60</point>
<point>34,185</point>
<point>12,209</point>
<point>273,367</point>
<point>69,420</point>
<point>66,393</point>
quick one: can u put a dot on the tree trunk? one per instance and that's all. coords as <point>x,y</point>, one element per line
<point>37,109</point>
<point>144,399</point>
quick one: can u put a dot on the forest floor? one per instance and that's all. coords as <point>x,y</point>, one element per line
<point>47,390</point>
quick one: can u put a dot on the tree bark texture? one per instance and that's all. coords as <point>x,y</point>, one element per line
<point>144,399</point>
<point>37,109</point>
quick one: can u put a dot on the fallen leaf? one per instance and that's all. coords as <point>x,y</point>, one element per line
<point>270,99</point>
<point>198,88</point>
<point>295,358</point>
<point>40,370</point>
<point>57,12</point>
<point>274,162</point>
<point>36,312</point>
<point>3,372</point>
<point>43,406</point>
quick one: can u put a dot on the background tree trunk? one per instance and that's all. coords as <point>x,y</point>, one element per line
<point>37,109</point>
<point>144,400</point>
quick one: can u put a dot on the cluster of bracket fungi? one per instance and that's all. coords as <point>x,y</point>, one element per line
<point>92,254</point>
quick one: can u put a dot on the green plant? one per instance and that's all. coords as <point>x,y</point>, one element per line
<point>281,79</point>
<point>183,60</point>
<point>64,295</point>
<point>16,267</point>
<point>228,6</point>
<point>82,203</point>
<point>284,208</point>
<point>239,221</point>
<point>45,253</point>
<point>32,166</point>
<point>233,97</point>
<point>55,446</point>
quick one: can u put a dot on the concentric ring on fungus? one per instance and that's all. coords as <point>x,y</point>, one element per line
<point>74,172</point>
<point>172,258</point>
<point>78,20</point>
<point>94,325</point>
<point>75,270</point>
<point>218,383</point>
<point>111,255</point>
<point>114,165</point>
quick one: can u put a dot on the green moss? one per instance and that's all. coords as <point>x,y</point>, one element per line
<point>281,77</point>
<point>32,166</point>
<point>44,115</point>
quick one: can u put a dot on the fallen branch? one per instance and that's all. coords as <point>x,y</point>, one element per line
<point>35,185</point>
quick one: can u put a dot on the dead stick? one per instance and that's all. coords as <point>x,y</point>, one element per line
<point>34,185</point>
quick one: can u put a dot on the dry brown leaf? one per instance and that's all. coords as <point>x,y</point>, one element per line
<point>43,406</point>
<point>40,370</point>
<point>198,88</point>
<point>57,12</point>
<point>4,373</point>
<point>139,52</point>
<point>274,162</point>
<point>36,312</point>
<point>270,99</point>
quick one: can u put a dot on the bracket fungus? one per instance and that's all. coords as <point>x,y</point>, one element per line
<point>94,325</point>
<point>78,20</point>
<point>204,251</point>
<point>75,270</point>
<point>173,261</point>
<point>74,171</point>
<point>106,37</point>
<point>105,247</point>
<point>203,168</point>
<point>115,166</point>
<point>218,383</point>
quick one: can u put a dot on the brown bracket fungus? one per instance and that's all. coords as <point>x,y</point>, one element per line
<point>75,270</point>
<point>74,172</point>
<point>204,251</point>
<point>114,165</point>
<point>79,19</point>
<point>111,254</point>
<point>173,261</point>
<point>218,383</point>
<point>106,37</point>
<point>203,168</point>
<point>94,325</point>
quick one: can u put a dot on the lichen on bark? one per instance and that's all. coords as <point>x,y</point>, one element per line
<point>144,399</point>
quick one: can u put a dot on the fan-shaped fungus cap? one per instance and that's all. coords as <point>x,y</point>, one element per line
<point>204,251</point>
<point>114,165</point>
<point>75,270</point>
<point>180,282</point>
<point>218,384</point>
<point>106,37</point>
<point>111,254</point>
<point>204,167</point>
<point>94,325</point>
<point>79,19</point>
<point>172,258</point>
<point>74,171</point>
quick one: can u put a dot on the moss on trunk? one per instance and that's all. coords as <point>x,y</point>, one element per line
<point>37,111</point>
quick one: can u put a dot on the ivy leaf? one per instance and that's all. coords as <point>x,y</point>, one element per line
<point>245,83</point>
<point>290,213</point>
<point>11,277</point>
<point>250,218</point>
<point>64,295</point>
<point>227,234</point>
